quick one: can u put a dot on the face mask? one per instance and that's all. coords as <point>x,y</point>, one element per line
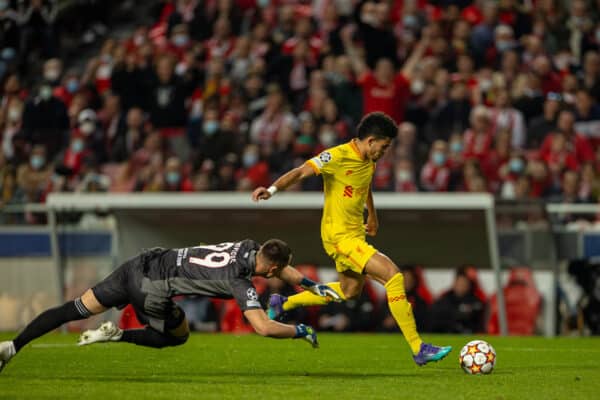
<point>439,158</point>
<point>249,159</point>
<point>45,92</point>
<point>485,84</point>
<point>456,147</point>
<point>516,165</point>
<point>172,177</point>
<point>37,161</point>
<point>403,175</point>
<point>72,85</point>
<point>327,138</point>
<point>77,146</point>
<point>180,40</point>
<point>3,5</point>
<point>503,45</point>
<point>410,21</point>
<point>51,74</point>
<point>8,54</point>
<point>87,127</point>
<point>417,86</point>
<point>211,127</point>
<point>263,3</point>
<point>139,40</point>
<point>598,35</point>
<point>562,62</point>
<point>106,58</point>
<point>14,114</point>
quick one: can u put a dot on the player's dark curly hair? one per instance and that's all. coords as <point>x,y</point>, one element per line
<point>277,251</point>
<point>377,124</point>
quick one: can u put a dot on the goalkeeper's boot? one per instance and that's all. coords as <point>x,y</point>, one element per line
<point>107,332</point>
<point>7,351</point>
<point>276,306</point>
<point>429,353</point>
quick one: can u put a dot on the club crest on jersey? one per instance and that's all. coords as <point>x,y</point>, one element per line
<point>325,156</point>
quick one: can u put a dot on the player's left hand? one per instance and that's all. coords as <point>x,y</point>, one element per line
<point>325,291</point>
<point>372,225</point>
<point>307,333</point>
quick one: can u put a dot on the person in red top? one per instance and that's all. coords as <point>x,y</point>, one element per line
<point>435,174</point>
<point>175,181</point>
<point>479,138</point>
<point>559,157</point>
<point>382,89</point>
<point>575,142</point>
<point>405,176</point>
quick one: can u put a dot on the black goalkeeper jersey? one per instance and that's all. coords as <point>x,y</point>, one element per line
<point>221,270</point>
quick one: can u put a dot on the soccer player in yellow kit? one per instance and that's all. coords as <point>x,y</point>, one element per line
<point>347,172</point>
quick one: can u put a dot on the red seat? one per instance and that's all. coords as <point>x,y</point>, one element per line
<point>523,304</point>
<point>232,318</point>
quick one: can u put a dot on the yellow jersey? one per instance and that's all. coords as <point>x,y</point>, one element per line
<point>347,180</point>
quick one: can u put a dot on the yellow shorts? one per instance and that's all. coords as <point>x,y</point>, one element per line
<point>350,254</point>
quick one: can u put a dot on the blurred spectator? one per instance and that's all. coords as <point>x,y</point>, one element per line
<point>352,315</point>
<point>34,176</point>
<point>45,120</point>
<point>404,176</point>
<point>37,26</point>
<point>506,118</point>
<point>254,167</point>
<point>576,144</point>
<point>478,139</point>
<point>265,128</point>
<point>130,137</point>
<point>587,115</point>
<point>542,125</point>
<point>174,178</point>
<point>459,310</point>
<point>435,174</point>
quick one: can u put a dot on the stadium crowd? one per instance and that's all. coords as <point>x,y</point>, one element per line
<point>227,94</point>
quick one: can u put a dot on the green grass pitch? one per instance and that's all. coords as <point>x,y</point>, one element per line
<point>353,366</point>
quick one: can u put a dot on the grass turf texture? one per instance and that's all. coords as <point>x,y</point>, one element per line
<point>353,366</point>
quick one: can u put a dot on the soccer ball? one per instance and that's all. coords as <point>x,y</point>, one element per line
<point>477,357</point>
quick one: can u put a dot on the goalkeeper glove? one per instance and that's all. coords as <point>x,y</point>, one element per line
<point>307,333</point>
<point>320,290</point>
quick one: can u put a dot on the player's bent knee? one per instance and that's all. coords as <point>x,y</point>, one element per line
<point>179,340</point>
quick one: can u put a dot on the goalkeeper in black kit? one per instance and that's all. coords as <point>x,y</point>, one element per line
<point>150,280</point>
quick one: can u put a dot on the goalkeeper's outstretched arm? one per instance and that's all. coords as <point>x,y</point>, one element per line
<point>269,328</point>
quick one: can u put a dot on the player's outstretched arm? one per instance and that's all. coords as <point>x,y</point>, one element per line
<point>292,276</point>
<point>283,182</point>
<point>269,328</point>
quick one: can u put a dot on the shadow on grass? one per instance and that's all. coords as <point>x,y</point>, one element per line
<point>257,376</point>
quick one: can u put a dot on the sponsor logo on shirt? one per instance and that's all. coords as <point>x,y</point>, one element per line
<point>348,191</point>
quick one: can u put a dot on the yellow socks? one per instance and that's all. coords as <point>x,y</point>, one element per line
<point>402,311</point>
<point>306,298</point>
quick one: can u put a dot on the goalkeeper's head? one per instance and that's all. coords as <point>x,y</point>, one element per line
<point>272,257</point>
<point>375,133</point>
